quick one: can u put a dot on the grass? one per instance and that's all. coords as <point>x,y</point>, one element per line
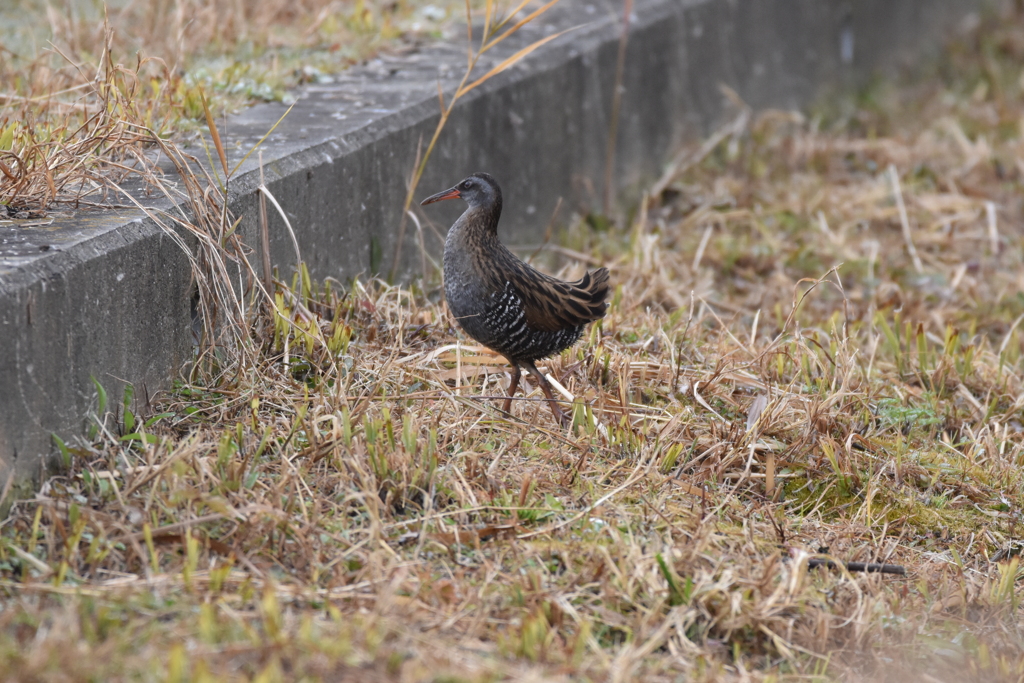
<point>332,494</point>
<point>87,87</point>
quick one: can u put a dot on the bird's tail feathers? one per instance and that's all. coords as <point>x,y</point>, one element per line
<point>593,290</point>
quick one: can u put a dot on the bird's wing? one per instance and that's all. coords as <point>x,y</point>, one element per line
<point>551,304</point>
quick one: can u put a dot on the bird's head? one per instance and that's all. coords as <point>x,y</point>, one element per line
<point>479,189</point>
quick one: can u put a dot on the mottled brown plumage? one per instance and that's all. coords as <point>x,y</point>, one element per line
<point>506,304</point>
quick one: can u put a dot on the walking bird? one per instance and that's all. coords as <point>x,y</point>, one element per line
<point>504,303</point>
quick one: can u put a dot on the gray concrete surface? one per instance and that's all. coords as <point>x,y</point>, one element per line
<point>107,295</point>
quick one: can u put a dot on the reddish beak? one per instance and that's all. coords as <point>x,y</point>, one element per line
<point>447,194</point>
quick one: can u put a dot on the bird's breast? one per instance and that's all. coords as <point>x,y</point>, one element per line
<point>465,288</point>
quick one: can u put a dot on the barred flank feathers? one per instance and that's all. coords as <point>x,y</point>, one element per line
<point>515,338</point>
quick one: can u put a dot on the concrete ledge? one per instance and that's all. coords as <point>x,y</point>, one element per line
<point>107,295</point>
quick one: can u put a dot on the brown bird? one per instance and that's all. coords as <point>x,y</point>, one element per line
<point>505,304</point>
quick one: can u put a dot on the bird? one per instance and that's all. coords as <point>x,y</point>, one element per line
<point>504,303</point>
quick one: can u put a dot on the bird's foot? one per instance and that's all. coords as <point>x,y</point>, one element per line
<point>563,420</point>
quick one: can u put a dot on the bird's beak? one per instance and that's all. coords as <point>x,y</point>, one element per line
<point>447,194</point>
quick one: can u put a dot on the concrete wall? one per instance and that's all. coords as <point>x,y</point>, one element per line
<point>107,295</point>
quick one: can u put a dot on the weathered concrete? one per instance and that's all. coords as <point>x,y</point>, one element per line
<point>109,296</point>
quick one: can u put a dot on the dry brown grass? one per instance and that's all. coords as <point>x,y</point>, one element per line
<point>84,89</point>
<point>333,494</point>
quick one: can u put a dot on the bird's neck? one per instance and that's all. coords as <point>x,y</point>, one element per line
<point>475,230</point>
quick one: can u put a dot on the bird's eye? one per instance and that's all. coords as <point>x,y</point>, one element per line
<point>467,185</point>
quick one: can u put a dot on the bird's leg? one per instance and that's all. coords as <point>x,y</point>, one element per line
<point>512,386</point>
<point>546,388</point>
